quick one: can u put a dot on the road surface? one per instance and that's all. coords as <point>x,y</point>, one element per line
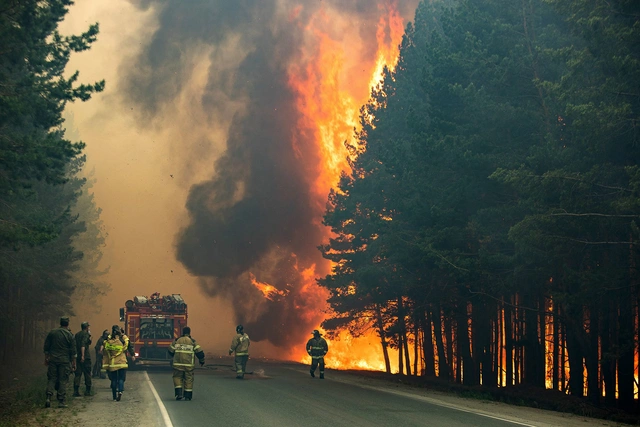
<point>280,394</point>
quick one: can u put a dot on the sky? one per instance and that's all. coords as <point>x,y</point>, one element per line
<point>214,146</point>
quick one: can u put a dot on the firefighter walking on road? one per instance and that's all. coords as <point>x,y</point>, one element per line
<point>59,357</point>
<point>317,347</point>
<point>184,351</point>
<point>240,345</point>
<point>115,360</point>
<point>83,361</point>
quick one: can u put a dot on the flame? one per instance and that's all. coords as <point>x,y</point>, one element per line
<point>348,352</point>
<point>269,291</point>
<point>330,90</point>
<point>390,27</point>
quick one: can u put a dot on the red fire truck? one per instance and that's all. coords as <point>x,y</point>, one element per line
<point>153,323</point>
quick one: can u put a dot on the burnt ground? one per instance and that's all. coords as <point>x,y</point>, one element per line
<point>521,395</point>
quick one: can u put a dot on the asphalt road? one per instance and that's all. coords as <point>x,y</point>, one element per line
<point>279,394</point>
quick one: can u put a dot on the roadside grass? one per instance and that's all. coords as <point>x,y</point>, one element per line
<point>20,400</point>
<point>22,404</point>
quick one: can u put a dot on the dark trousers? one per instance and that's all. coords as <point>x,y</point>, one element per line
<point>117,381</point>
<point>83,368</point>
<point>315,361</point>
<point>98,365</point>
<point>57,379</point>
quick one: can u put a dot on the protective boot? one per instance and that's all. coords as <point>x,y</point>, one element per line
<point>62,404</point>
<point>76,391</point>
<point>188,395</point>
<point>87,391</point>
<point>47,403</point>
<point>179,393</point>
<point>313,375</point>
<point>321,375</point>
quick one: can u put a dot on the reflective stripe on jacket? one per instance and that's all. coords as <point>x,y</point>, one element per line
<point>184,351</point>
<point>240,344</point>
<point>114,354</point>
<point>317,347</point>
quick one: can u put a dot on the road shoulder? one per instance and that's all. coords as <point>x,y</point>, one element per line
<point>516,414</point>
<point>138,405</point>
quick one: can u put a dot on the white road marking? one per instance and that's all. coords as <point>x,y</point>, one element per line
<point>431,401</point>
<point>163,410</point>
<point>448,405</point>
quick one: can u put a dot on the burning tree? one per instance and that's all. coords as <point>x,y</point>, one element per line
<point>495,197</point>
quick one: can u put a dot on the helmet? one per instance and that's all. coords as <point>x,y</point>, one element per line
<point>115,330</point>
<point>239,328</point>
<point>316,333</point>
<point>84,325</point>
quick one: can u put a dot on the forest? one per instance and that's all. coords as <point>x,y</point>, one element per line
<point>489,227</point>
<point>50,228</point>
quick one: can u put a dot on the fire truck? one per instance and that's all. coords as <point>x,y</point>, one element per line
<point>153,323</point>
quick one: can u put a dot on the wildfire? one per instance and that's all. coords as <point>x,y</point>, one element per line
<point>332,80</point>
<point>269,291</point>
<point>347,352</point>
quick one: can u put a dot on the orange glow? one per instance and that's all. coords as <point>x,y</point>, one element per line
<point>269,291</point>
<point>347,352</point>
<point>328,99</point>
<point>329,92</point>
<point>390,27</point>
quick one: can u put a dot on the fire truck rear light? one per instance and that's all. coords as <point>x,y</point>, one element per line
<point>137,354</point>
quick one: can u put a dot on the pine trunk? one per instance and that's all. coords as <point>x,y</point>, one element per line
<point>383,340</point>
<point>443,366</point>
<point>469,373</point>
<point>427,345</point>
<point>593,383</point>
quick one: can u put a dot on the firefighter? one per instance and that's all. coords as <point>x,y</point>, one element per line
<point>130,348</point>
<point>114,351</point>
<point>317,347</point>
<point>240,345</point>
<point>184,351</point>
<point>97,367</point>
<point>59,355</point>
<point>83,361</point>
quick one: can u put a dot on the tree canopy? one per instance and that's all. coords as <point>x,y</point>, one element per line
<point>40,171</point>
<point>490,214</point>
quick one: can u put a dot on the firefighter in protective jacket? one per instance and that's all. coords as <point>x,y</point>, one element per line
<point>240,345</point>
<point>114,360</point>
<point>184,351</point>
<point>317,347</point>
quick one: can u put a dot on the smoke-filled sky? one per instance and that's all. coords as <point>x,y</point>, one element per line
<point>206,149</point>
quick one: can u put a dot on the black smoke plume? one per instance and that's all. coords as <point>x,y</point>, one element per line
<point>257,214</point>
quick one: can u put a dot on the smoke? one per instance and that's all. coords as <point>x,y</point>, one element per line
<point>257,216</point>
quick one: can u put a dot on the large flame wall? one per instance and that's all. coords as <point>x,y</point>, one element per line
<point>292,76</point>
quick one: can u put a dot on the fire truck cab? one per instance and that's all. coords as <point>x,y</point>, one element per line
<point>153,323</point>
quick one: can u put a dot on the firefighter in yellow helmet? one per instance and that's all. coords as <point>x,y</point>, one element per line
<point>114,360</point>
<point>317,347</point>
<point>184,351</point>
<point>240,345</point>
